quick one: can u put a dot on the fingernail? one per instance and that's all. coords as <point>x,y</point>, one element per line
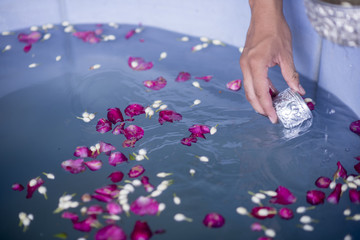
<point>302,91</point>
<point>272,119</point>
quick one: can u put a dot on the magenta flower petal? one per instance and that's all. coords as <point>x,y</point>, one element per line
<point>133,132</point>
<point>17,187</point>
<point>103,125</point>
<point>157,84</point>
<point>106,148</point>
<point>139,64</point>
<point>117,158</point>
<point>119,129</point>
<point>27,48</point>
<point>110,232</point>
<point>355,127</point>
<point>116,176</point>
<point>256,227</point>
<point>187,141</point>
<point>357,167</point>
<point>30,38</point>
<point>198,130</point>
<point>315,197</point>
<point>205,78</point>
<point>85,225</point>
<point>102,198</point>
<point>147,185</point>
<point>264,238</point>
<point>341,172</point>
<point>183,76</point>
<point>33,185</point>
<point>109,190</point>
<point>357,158</point>
<point>69,215</point>
<point>94,210</point>
<point>283,197</point>
<point>87,36</point>
<point>141,231</point>
<point>234,85</point>
<point>334,196</point>
<point>255,212</point>
<point>113,208</point>
<point>214,220</point>
<point>129,143</point>
<point>286,213</point>
<point>74,166</point>
<point>169,116</point>
<point>144,206</point>
<point>82,152</point>
<point>354,196</point>
<point>323,182</point>
<point>136,171</point>
<point>311,105</point>
<point>94,165</point>
<point>130,33</point>
<point>134,110</point>
<point>114,115</point>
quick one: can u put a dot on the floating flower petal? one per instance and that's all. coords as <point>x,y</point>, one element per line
<point>141,231</point>
<point>198,130</point>
<point>187,141</point>
<point>110,232</point>
<point>205,78</point>
<point>334,196</point>
<point>103,125</point>
<point>263,212</point>
<point>88,36</point>
<point>94,210</point>
<point>129,143</point>
<point>145,181</point>
<point>139,64</point>
<point>256,227</point>
<point>355,127</point>
<point>119,129</point>
<point>354,196</point>
<point>113,208</point>
<point>136,171</point>
<point>357,167</point>
<point>214,220</point>
<point>286,213</point>
<point>106,148</point>
<point>144,206</point>
<point>114,115</point>
<point>157,84</point>
<point>117,158</point>
<point>284,196</point>
<point>30,38</point>
<point>315,197</point>
<point>169,116</point>
<point>74,166</point>
<point>234,85</point>
<point>134,110</point>
<point>133,132</point>
<point>69,215</point>
<point>82,152</point>
<point>183,76</point>
<point>17,187</point>
<point>116,176</point>
<point>94,165</point>
<point>323,182</point>
<point>341,172</point>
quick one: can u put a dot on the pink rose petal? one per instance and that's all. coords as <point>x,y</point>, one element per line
<point>110,232</point>
<point>214,220</point>
<point>129,143</point>
<point>147,185</point>
<point>27,48</point>
<point>113,208</point>
<point>103,125</point>
<point>74,166</point>
<point>94,210</point>
<point>323,182</point>
<point>106,148</point>
<point>183,76</point>
<point>256,227</point>
<point>234,85</point>
<point>117,158</point>
<point>30,38</point>
<point>355,127</point>
<point>144,206</point>
<point>109,190</point>
<point>119,129</point>
<point>130,33</point>
<point>286,213</point>
<point>85,225</point>
<point>82,152</point>
<point>255,212</point>
<point>169,116</point>
<point>33,185</point>
<point>116,176</point>
<point>139,64</point>
<point>17,187</point>
<point>141,231</point>
<point>354,196</point>
<point>136,171</point>
<point>134,110</point>
<point>69,215</point>
<point>94,165</point>
<point>187,141</point>
<point>315,197</point>
<point>334,196</point>
<point>283,197</point>
<point>102,198</point>
<point>205,78</point>
<point>357,167</point>
<point>114,115</point>
<point>341,172</point>
<point>88,36</point>
<point>157,84</point>
<point>133,132</point>
<point>198,130</point>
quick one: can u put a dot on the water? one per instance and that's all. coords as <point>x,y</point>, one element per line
<point>39,130</point>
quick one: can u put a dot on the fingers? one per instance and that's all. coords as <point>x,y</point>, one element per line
<point>290,75</point>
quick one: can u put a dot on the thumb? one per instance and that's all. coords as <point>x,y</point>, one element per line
<point>291,76</point>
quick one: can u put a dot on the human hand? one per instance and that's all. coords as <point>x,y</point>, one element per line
<point>268,43</point>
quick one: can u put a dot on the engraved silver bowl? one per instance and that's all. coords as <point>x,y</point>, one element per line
<point>292,110</point>
<point>336,20</point>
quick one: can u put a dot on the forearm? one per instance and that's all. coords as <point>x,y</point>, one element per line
<point>266,11</point>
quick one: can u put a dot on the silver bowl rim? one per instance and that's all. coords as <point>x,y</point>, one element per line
<point>335,5</point>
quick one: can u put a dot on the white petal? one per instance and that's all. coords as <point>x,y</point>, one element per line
<point>270,233</point>
<point>204,39</point>
<point>177,200</point>
<point>33,65</point>
<point>184,39</point>
<point>260,195</point>
<point>42,189</point>
<point>348,237</point>
<point>142,152</point>
<point>32,182</point>
<point>47,36</point>
<point>156,193</point>
<point>192,171</point>
<point>58,58</point>
<point>301,209</point>
<point>308,228</point>
<point>256,200</point>
<point>332,185</point>
<point>204,159</point>
<point>344,187</point>
<point>196,84</point>
<point>213,130</point>
<point>179,217</point>
<point>241,211</point>
<point>136,183</point>
<point>263,212</point>
<point>217,42</point>
<point>96,66</point>
<point>34,28</point>
<point>91,116</point>
<point>347,212</point>
<point>305,219</point>
<point>161,207</point>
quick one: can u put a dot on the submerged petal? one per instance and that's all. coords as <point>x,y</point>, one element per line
<point>17,187</point>
<point>214,220</point>
<point>33,185</point>
<point>187,141</point>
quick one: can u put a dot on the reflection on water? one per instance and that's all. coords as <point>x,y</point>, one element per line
<point>39,130</point>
